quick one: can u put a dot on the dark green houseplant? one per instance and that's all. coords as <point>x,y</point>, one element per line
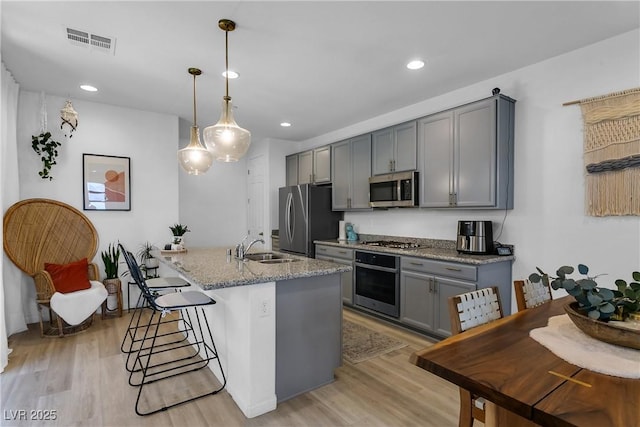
<point>111,258</point>
<point>179,229</point>
<point>47,149</point>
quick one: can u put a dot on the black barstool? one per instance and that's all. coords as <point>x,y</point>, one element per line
<point>155,358</point>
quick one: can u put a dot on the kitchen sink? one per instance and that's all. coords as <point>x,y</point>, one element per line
<point>278,260</point>
<point>263,256</point>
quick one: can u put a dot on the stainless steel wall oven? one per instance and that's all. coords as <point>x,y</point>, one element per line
<point>377,278</point>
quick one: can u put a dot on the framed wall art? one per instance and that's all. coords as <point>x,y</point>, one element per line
<point>106,182</point>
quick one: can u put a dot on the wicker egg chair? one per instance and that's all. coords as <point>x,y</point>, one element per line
<point>39,231</point>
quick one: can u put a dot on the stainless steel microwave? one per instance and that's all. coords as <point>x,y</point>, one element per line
<point>394,190</point>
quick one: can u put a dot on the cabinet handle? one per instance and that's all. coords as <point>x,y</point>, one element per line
<point>390,165</point>
<point>453,269</point>
<point>417,263</point>
<point>394,165</point>
<point>342,252</point>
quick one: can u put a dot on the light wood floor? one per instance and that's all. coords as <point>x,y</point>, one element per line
<point>82,378</point>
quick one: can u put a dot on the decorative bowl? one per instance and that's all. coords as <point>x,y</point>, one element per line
<point>604,331</point>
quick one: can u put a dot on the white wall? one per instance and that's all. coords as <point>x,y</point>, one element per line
<point>150,140</point>
<point>548,225</point>
<point>213,205</point>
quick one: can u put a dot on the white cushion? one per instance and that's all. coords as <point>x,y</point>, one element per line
<point>166,282</point>
<point>76,307</point>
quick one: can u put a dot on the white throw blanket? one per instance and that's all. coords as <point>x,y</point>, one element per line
<point>76,307</point>
<point>566,341</point>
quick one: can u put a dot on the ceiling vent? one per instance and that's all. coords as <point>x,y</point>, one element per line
<point>91,41</point>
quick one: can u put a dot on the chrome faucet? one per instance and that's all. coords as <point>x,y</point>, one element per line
<point>249,246</point>
<point>240,249</point>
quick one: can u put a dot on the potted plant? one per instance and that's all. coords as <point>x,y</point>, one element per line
<point>111,258</point>
<point>596,302</point>
<point>178,231</point>
<point>595,307</point>
<point>144,255</point>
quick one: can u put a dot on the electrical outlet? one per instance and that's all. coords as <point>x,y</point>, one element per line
<point>265,308</point>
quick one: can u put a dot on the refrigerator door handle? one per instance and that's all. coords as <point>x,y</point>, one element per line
<point>287,218</point>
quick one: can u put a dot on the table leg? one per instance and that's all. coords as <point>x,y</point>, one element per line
<point>496,416</point>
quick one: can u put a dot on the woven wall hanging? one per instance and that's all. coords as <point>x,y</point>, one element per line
<point>612,153</point>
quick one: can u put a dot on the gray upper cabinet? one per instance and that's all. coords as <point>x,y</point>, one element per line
<point>394,149</point>
<point>466,156</point>
<point>292,169</point>
<point>305,167</point>
<point>309,167</point>
<point>322,165</point>
<point>351,160</point>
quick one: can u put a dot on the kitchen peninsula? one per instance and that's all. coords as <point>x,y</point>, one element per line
<point>277,323</point>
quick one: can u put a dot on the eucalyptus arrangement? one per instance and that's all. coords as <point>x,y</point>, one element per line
<point>47,149</point>
<point>597,302</point>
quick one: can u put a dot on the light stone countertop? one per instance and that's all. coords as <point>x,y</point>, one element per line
<point>430,250</point>
<point>210,268</point>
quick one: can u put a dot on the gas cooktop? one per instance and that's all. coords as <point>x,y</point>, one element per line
<point>392,244</point>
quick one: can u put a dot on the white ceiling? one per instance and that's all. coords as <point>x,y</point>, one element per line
<point>319,65</point>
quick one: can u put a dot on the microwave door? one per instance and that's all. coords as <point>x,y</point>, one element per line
<point>383,193</point>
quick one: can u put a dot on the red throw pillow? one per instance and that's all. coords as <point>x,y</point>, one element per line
<point>69,277</point>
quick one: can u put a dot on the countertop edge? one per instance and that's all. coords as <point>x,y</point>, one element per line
<point>424,252</point>
<point>313,268</point>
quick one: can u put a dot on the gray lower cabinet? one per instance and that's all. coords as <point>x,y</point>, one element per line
<point>394,149</point>
<point>341,256</point>
<point>426,285</point>
<point>466,156</point>
<point>351,160</point>
<point>309,333</point>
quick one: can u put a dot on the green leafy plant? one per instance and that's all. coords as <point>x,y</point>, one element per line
<point>629,294</point>
<point>47,149</point>
<point>597,302</point>
<point>111,258</point>
<point>144,253</point>
<point>179,229</point>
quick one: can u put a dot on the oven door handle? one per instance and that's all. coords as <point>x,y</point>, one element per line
<point>375,267</point>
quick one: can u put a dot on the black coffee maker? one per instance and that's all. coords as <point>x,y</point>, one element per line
<point>475,237</point>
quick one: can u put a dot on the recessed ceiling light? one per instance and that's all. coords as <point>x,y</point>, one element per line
<point>415,64</point>
<point>285,124</point>
<point>89,88</point>
<point>232,74</point>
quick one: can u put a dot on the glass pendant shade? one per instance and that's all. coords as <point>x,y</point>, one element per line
<point>227,141</point>
<point>195,159</point>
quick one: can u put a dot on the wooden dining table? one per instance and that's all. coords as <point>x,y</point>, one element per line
<point>526,384</point>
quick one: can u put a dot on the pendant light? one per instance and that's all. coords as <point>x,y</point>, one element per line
<point>227,141</point>
<point>195,158</point>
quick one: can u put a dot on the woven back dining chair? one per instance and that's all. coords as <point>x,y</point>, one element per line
<point>529,294</point>
<point>468,311</point>
<point>43,231</point>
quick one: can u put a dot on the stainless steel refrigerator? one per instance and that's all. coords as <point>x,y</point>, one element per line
<point>305,216</point>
